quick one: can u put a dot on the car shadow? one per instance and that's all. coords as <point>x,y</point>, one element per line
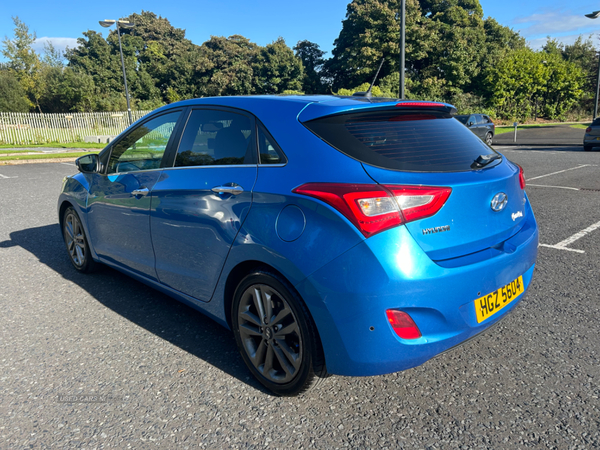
<point>161,315</point>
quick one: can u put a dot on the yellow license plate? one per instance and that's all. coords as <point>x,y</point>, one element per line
<point>488,305</point>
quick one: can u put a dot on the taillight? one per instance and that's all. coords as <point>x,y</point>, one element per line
<point>521,177</point>
<point>419,202</point>
<point>403,324</point>
<point>373,208</point>
<point>588,129</point>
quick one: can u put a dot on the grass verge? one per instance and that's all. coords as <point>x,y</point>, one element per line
<point>44,156</point>
<point>508,129</point>
<point>56,145</point>
<point>583,126</point>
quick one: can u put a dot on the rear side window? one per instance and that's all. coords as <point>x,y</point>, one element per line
<point>269,151</point>
<point>422,141</point>
<point>215,137</point>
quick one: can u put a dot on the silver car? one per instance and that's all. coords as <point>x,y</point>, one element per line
<point>591,138</point>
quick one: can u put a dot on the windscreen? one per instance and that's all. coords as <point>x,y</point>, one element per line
<point>415,141</point>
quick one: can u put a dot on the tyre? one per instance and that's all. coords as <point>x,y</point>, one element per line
<point>76,242</point>
<point>275,334</point>
<point>588,148</point>
<point>488,138</point>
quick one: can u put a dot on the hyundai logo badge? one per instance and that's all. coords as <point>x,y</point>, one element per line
<point>499,202</point>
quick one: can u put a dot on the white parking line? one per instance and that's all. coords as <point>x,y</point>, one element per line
<point>562,245</point>
<point>556,187</point>
<point>4,177</point>
<point>560,171</point>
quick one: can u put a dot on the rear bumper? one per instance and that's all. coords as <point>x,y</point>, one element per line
<point>349,296</point>
<point>590,139</point>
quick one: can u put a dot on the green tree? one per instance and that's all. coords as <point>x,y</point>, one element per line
<point>24,62</point>
<point>312,59</point>
<point>166,55</point>
<point>69,90</point>
<point>276,69</point>
<point>12,95</point>
<point>525,78</point>
<point>224,66</point>
<point>448,44</point>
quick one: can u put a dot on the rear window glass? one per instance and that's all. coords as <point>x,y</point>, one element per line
<point>420,141</point>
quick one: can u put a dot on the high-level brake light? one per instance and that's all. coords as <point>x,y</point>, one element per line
<point>421,105</point>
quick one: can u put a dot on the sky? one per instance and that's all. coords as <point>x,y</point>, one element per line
<point>263,21</point>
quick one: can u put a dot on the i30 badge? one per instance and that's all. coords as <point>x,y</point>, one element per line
<point>499,201</point>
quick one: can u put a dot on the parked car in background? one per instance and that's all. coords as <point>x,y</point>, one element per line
<point>480,124</point>
<point>591,138</point>
<point>340,235</point>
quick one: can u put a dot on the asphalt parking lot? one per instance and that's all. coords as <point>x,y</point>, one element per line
<point>157,374</point>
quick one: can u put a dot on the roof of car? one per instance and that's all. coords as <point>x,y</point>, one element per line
<point>311,106</point>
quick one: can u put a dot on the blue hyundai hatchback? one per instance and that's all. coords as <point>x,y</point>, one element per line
<point>332,235</point>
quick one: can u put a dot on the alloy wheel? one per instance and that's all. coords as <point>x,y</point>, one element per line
<point>270,333</point>
<point>75,239</point>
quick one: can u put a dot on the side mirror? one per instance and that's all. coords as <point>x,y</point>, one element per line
<point>87,163</point>
<point>469,124</point>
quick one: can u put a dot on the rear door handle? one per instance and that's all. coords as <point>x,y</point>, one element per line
<point>234,189</point>
<point>141,192</point>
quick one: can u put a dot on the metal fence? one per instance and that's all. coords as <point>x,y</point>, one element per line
<point>31,128</point>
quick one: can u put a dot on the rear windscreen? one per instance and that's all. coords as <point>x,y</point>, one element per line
<point>413,141</point>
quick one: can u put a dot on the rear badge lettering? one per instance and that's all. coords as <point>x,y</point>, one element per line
<point>516,215</point>
<point>436,229</point>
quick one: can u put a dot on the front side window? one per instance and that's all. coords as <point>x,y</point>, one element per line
<point>216,138</point>
<point>144,147</point>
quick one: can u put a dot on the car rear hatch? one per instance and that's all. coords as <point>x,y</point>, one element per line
<point>414,144</point>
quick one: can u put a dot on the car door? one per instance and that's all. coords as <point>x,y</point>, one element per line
<point>472,124</point>
<point>199,205</point>
<point>119,200</point>
<point>487,124</point>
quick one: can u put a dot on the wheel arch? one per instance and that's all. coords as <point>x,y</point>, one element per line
<point>237,274</point>
<point>244,268</point>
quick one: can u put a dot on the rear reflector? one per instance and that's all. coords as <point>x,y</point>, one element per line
<point>373,208</point>
<point>403,324</point>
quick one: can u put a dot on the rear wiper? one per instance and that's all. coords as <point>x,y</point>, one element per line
<point>484,160</point>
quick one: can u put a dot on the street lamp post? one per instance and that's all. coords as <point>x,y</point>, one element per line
<point>123,24</point>
<point>402,48</point>
<point>595,15</point>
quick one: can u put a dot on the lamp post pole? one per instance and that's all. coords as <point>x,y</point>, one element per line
<point>402,47</point>
<point>124,24</point>
<point>595,15</point>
